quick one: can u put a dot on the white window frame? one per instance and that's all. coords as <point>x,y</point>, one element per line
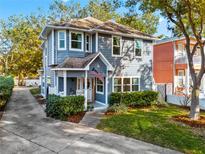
<point>117,84</point>
<point>120,46</point>
<point>99,92</point>
<point>122,82</point>
<point>142,47</point>
<point>59,48</point>
<point>89,42</point>
<point>135,84</point>
<point>82,42</point>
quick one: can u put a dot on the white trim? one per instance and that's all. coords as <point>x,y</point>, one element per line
<point>103,84</point>
<point>85,90</point>
<point>89,43</point>
<point>120,46</point>
<point>96,48</point>
<point>106,88</point>
<point>64,31</point>
<point>82,41</point>
<point>101,103</point>
<point>122,80</point>
<point>103,59</point>
<point>65,83</point>
<point>52,46</point>
<point>68,69</point>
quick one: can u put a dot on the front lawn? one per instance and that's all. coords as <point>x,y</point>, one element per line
<point>155,125</point>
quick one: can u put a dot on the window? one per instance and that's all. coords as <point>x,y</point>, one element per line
<point>135,84</point>
<point>117,85</point>
<point>116,46</point>
<point>76,41</point>
<point>60,84</point>
<point>99,86</point>
<point>181,72</point>
<point>138,48</point>
<point>87,43</point>
<point>62,40</point>
<point>126,84</point>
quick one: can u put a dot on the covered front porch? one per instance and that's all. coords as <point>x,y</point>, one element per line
<point>90,81</point>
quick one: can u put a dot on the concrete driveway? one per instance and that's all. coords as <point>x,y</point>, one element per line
<point>25,129</point>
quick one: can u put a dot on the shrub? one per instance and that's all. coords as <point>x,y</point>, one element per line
<point>118,108</point>
<point>6,86</point>
<point>140,98</point>
<point>35,91</point>
<point>62,107</point>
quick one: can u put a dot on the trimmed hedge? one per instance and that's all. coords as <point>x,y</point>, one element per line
<point>6,87</point>
<point>61,107</point>
<point>139,98</point>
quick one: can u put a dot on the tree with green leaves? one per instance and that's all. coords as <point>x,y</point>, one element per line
<point>22,45</point>
<point>188,16</point>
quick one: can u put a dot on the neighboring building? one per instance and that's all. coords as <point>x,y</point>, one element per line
<point>171,65</point>
<point>94,58</point>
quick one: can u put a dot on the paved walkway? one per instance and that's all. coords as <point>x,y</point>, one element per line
<point>91,119</point>
<point>24,129</point>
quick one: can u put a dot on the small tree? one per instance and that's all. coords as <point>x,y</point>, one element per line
<point>188,17</point>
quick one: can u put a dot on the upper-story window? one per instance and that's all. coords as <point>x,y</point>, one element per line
<point>116,46</point>
<point>87,43</point>
<point>76,41</point>
<point>138,48</point>
<point>62,40</point>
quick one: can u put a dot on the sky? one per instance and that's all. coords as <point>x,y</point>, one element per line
<point>25,7</point>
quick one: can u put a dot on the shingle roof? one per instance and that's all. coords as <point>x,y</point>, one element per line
<point>85,23</point>
<point>119,28</point>
<point>93,24</point>
<point>72,62</point>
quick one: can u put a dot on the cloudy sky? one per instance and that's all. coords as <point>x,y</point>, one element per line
<point>16,7</point>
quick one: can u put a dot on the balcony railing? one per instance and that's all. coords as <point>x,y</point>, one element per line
<point>181,58</point>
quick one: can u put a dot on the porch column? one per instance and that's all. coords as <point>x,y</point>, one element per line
<point>65,83</point>
<point>85,90</point>
<point>106,88</point>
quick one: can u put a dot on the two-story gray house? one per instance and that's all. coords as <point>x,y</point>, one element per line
<point>93,58</point>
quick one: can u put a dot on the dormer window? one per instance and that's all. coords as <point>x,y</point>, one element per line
<point>138,48</point>
<point>62,40</point>
<point>116,46</point>
<point>76,41</point>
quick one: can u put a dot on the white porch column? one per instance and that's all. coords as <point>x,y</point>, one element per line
<point>85,90</point>
<point>65,83</point>
<point>57,84</point>
<point>106,88</point>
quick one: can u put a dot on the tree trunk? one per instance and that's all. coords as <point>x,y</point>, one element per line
<point>195,108</point>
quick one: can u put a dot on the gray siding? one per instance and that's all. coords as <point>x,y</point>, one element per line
<point>128,64</point>
<point>62,54</point>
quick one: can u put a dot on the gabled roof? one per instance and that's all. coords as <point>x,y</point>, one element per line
<point>91,25</point>
<point>73,63</point>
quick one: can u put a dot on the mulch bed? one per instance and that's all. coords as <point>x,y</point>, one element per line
<point>193,123</point>
<point>77,117</point>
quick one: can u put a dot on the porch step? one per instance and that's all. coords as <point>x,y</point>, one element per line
<point>91,119</point>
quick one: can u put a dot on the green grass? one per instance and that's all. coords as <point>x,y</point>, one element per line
<point>35,91</point>
<point>154,125</point>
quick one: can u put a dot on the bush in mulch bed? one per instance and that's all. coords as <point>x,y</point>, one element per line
<point>77,117</point>
<point>193,123</point>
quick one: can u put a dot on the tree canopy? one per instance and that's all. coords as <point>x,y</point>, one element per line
<point>20,52</point>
